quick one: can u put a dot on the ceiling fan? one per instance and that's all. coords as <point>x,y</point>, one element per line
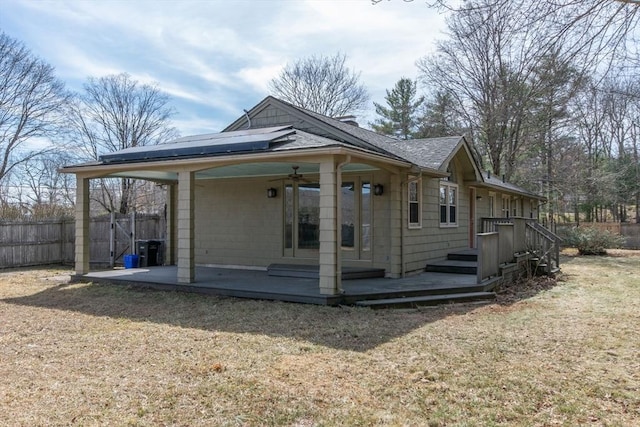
<point>295,176</point>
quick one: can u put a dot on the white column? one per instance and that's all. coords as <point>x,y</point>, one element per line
<point>396,225</point>
<point>170,240</point>
<point>330,263</point>
<point>186,260</point>
<point>82,225</point>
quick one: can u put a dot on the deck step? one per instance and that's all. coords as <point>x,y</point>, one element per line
<point>453,266</point>
<point>411,302</point>
<point>313,271</point>
<point>464,255</point>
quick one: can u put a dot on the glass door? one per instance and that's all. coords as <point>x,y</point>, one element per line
<point>308,236</point>
<point>302,219</point>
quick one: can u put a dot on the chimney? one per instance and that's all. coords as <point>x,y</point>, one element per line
<point>350,120</point>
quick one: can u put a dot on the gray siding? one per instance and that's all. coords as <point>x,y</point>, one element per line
<point>236,224</point>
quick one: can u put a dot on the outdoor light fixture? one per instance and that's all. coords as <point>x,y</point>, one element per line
<point>272,192</point>
<point>478,197</point>
<point>378,189</point>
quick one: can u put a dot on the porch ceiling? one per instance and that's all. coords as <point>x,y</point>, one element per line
<point>243,170</point>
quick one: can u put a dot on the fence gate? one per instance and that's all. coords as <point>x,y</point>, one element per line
<point>122,237</point>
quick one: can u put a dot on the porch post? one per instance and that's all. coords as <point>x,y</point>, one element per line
<point>82,225</point>
<point>396,226</point>
<point>170,232</point>
<point>330,265</point>
<point>186,260</point>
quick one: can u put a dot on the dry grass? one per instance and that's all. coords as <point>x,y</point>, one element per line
<point>107,355</point>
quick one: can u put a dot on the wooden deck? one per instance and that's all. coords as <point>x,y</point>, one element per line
<point>433,288</point>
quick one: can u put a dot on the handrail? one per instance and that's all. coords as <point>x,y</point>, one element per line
<point>526,235</point>
<point>545,244</point>
<point>548,233</point>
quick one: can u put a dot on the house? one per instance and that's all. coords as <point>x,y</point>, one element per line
<point>282,185</point>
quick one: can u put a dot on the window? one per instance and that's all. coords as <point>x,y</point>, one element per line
<point>505,206</point>
<point>492,205</point>
<point>448,204</point>
<point>532,208</point>
<point>348,215</point>
<point>514,207</point>
<point>414,203</point>
<point>365,216</point>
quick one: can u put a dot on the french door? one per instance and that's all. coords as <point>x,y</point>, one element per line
<point>302,219</point>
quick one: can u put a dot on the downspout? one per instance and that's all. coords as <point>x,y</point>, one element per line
<point>403,222</point>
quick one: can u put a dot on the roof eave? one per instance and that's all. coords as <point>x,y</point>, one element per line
<point>213,161</point>
<point>508,190</point>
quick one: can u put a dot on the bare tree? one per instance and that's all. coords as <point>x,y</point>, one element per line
<point>46,185</point>
<point>116,112</point>
<point>487,71</point>
<point>32,101</point>
<point>323,84</point>
<point>595,31</point>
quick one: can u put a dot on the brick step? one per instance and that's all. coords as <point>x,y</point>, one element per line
<point>427,300</point>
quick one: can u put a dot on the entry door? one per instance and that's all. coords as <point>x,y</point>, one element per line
<point>302,219</point>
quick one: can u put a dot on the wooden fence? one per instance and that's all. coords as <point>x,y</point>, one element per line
<point>29,243</point>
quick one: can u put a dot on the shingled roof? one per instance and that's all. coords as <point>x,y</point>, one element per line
<point>496,182</point>
<point>433,153</point>
<point>429,153</point>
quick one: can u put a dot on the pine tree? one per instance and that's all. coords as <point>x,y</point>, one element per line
<point>440,117</point>
<point>400,119</point>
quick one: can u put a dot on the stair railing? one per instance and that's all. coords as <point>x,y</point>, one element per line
<point>524,235</point>
<point>545,244</point>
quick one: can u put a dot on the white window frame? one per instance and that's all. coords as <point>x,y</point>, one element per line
<point>411,202</point>
<point>448,186</point>
<point>492,204</point>
<point>506,206</point>
<point>515,202</point>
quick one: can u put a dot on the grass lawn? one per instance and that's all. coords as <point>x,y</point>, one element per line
<point>88,354</point>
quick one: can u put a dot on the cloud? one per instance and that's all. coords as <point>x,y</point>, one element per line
<point>216,57</point>
<point>259,77</point>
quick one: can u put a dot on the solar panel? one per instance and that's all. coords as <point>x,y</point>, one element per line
<point>248,140</point>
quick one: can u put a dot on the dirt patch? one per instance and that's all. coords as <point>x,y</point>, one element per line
<point>527,288</point>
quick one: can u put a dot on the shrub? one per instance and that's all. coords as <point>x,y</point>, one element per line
<point>592,241</point>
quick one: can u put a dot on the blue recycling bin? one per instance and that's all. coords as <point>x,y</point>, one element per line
<point>131,261</point>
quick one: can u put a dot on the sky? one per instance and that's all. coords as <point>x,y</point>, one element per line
<point>215,58</point>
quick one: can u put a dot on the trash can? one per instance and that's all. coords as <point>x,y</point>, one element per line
<point>150,252</point>
<point>142,248</point>
<point>155,253</point>
<point>131,261</point>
